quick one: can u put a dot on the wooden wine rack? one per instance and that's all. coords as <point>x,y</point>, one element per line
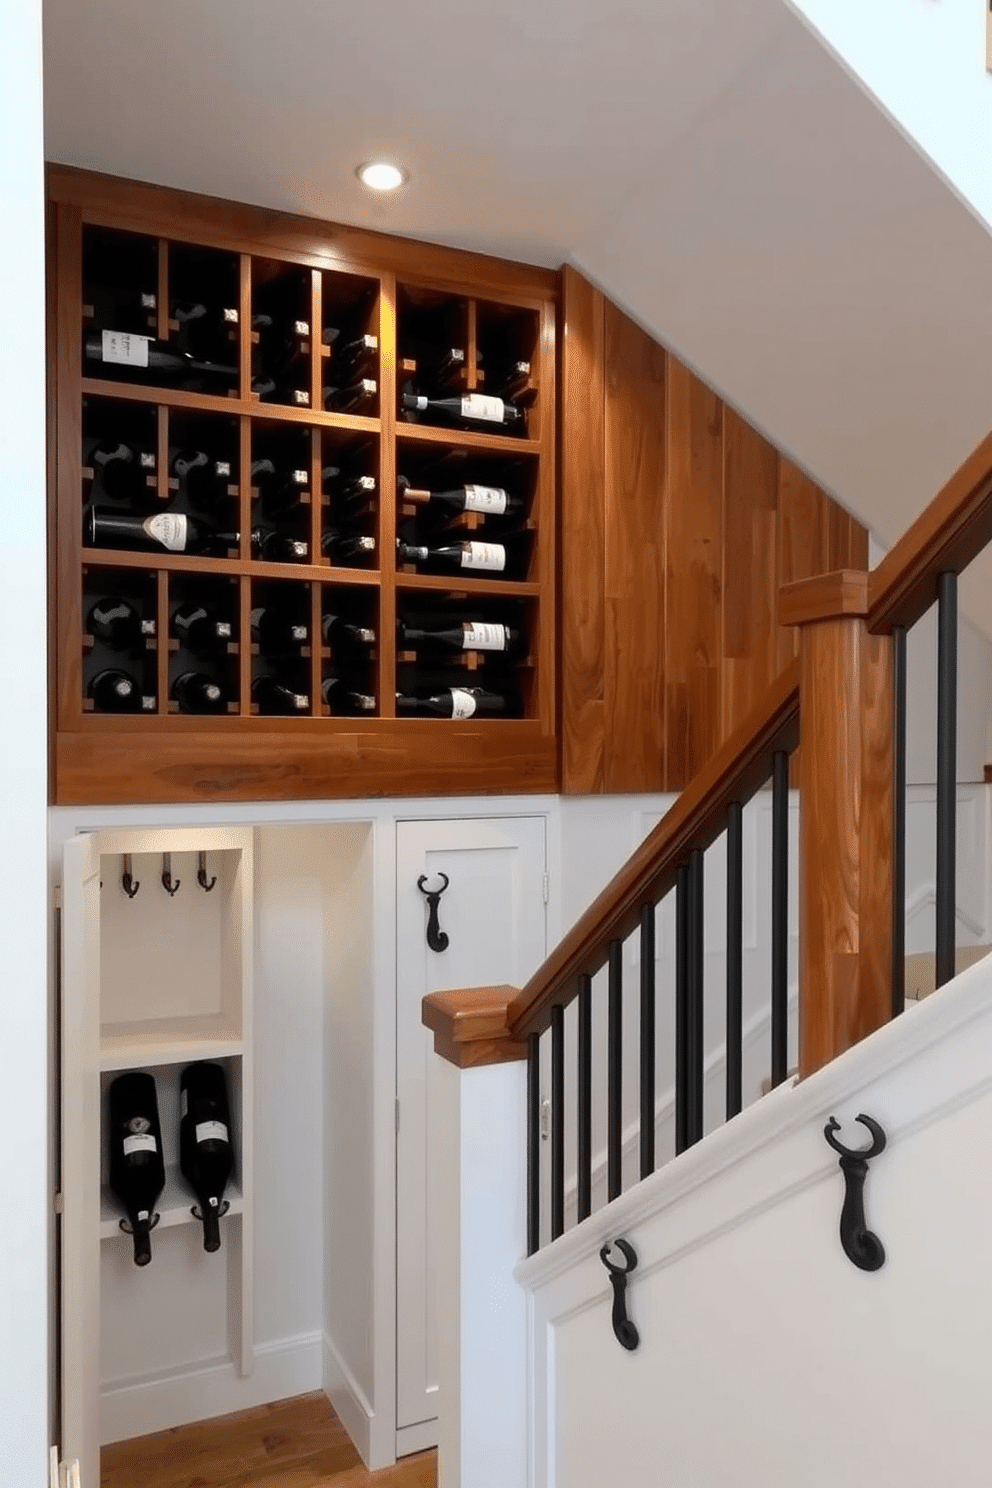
<point>389,287</point>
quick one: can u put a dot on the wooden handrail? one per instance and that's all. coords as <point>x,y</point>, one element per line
<point>945,537</point>
<point>696,819</point>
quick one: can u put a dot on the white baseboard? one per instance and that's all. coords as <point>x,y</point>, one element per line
<point>419,1438</point>
<point>289,1366</point>
<point>348,1399</point>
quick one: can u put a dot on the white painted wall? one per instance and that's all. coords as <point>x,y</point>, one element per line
<point>925,64</point>
<point>765,1356</point>
<point>24,1110</point>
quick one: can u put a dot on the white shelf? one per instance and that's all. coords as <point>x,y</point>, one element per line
<point>173,1206</point>
<point>137,1051</point>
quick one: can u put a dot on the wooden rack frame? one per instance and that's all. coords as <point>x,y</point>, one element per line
<point>165,756</point>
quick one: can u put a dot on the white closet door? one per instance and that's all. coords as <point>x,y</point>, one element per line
<point>493,913</point>
<point>80,1093</point>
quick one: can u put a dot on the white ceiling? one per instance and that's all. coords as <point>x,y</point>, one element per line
<point>711,166</point>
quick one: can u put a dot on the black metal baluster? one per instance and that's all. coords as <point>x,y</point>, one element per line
<point>681,1008</point>
<point>584,1143</point>
<point>614,1061</point>
<point>695,1030</point>
<point>557,1121</point>
<point>899,823</point>
<point>780,917</point>
<point>735,955</point>
<point>533,1142</point>
<point>947,728</point>
<point>647,1040</point>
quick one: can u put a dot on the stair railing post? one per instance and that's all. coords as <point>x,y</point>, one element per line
<point>846,815</point>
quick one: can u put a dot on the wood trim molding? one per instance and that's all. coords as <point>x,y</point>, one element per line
<point>470,1027</point>
<point>945,537</point>
<point>828,596</point>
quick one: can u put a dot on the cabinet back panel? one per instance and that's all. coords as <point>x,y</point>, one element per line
<point>161,957</point>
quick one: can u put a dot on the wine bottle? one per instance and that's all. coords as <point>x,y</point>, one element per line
<point>173,531</point>
<point>137,1169</point>
<point>122,469</point>
<point>489,500</point>
<point>122,307</point>
<point>342,399</point>
<point>453,702</point>
<point>355,356</point>
<point>351,493</point>
<point>195,692</point>
<point>276,631</point>
<point>472,408</point>
<point>113,691</point>
<point>205,330</point>
<point>338,545</point>
<point>281,491</point>
<point>118,623</point>
<point>273,696</point>
<point>277,547</point>
<point>487,556</point>
<point>206,1153</point>
<point>437,367</point>
<point>144,354</point>
<point>344,701</point>
<point>471,635</point>
<point>198,630</point>
<point>336,627</point>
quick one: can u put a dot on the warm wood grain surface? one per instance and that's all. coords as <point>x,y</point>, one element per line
<point>297,1443</point>
<point>679,524</point>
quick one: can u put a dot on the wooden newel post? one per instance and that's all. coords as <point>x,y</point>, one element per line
<point>846,801</point>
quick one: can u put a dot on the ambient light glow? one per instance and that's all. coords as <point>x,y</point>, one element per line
<point>380,176</point>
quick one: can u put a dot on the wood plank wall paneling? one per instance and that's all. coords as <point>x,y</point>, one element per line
<point>634,514</point>
<point>694,574</point>
<point>582,527</point>
<point>679,523</point>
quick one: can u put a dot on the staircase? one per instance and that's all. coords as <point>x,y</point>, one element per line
<point>741,1280</point>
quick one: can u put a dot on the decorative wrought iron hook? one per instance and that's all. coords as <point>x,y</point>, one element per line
<point>201,874</point>
<point>626,1333</point>
<point>436,937</point>
<point>129,883</point>
<point>169,884</point>
<point>861,1245</point>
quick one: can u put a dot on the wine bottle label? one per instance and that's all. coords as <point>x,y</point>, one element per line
<point>255,616</point>
<point>477,636</point>
<point>478,406</point>
<point>484,555</point>
<point>143,1143</point>
<point>144,1214</point>
<point>169,529</point>
<point>485,498</point>
<point>126,349</point>
<point>211,1131</point>
<point>462,703</point>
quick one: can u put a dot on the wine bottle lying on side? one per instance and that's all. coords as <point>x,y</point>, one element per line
<point>453,702</point>
<point>137,1169</point>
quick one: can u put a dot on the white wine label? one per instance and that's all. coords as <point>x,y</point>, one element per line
<point>143,1143</point>
<point>255,616</point>
<point>478,406</point>
<point>143,1214</point>
<point>484,555</point>
<point>127,350</point>
<point>462,703</point>
<point>485,499</point>
<point>300,477</point>
<point>477,636</point>
<point>211,1131</point>
<point>169,529</point>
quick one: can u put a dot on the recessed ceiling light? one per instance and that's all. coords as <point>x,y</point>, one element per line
<point>380,176</point>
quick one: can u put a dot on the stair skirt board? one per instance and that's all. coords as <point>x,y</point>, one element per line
<point>213,1387</point>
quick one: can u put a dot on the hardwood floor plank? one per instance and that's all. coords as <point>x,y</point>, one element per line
<point>297,1443</point>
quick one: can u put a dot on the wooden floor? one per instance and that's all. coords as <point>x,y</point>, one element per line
<point>296,1443</point>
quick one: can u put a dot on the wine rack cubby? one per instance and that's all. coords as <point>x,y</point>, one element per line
<point>280,447</point>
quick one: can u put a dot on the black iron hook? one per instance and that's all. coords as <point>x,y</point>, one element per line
<point>861,1245</point>
<point>201,874</point>
<point>436,937</point>
<point>169,884</point>
<point>626,1333</point>
<point>129,883</point>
